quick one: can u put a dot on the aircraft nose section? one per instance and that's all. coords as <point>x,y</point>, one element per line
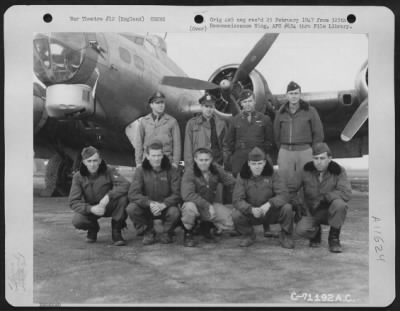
<point>58,56</point>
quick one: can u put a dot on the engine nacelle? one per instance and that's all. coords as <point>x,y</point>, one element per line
<point>255,82</point>
<point>361,82</point>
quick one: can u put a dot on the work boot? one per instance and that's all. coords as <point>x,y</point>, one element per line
<point>140,229</point>
<point>271,234</point>
<point>188,240</point>
<point>235,233</point>
<point>208,235</point>
<point>149,237</point>
<point>248,240</point>
<point>268,233</point>
<point>333,240</point>
<point>286,240</point>
<point>216,231</point>
<point>91,236</point>
<point>197,229</point>
<point>166,238</point>
<point>316,241</point>
<point>116,228</point>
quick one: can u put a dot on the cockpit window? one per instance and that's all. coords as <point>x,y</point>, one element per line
<point>149,47</point>
<point>133,38</point>
<point>139,40</point>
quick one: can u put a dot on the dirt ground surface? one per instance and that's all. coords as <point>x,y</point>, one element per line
<point>69,271</point>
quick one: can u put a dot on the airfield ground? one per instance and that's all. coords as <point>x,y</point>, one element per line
<point>69,271</point>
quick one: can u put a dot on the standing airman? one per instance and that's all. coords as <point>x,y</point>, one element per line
<point>158,125</point>
<point>205,131</point>
<point>297,126</point>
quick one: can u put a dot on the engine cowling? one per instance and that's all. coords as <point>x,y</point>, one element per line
<point>255,82</point>
<point>69,100</point>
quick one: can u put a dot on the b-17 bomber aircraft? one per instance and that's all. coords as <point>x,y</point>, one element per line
<point>93,88</point>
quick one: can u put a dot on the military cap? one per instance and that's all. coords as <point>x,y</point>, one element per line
<point>155,96</point>
<point>319,148</point>
<point>87,152</point>
<point>256,154</point>
<point>292,86</point>
<point>202,150</point>
<point>207,99</point>
<point>155,144</point>
<point>245,94</point>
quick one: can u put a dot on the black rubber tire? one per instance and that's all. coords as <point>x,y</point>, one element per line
<point>58,176</point>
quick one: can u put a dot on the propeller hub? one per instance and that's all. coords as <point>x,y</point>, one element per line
<point>225,84</point>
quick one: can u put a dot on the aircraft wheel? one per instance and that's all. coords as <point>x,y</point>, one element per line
<point>58,176</point>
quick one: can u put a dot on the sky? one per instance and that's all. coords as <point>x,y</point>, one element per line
<point>317,62</point>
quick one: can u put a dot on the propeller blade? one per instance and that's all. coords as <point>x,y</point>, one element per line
<point>356,121</point>
<point>233,104</point>
<point>188,83</point>
<point>255,56</point>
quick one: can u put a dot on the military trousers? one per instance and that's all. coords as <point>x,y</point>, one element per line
<point>143,219</point>
<point>239,157</point>
<point>244,223</point>
<point>222,219</point>
<point>114,209</point>
<point>291,162</point>
<point>333,215</point>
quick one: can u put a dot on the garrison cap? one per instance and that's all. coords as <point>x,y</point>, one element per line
<point>155,144</point>
<point>319,148</point>
<point>88,152</point>
<point>256,154</point>
<point>207,99</point>
<point>202,150</point>
<point>155,96</point>
<point>292,86</point>
<point>246,93</point>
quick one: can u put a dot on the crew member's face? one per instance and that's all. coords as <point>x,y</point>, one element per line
<point>293,97</point>
<point>155,156</point>
<point>92,163</point>
<point>257,167</point>
<point>203,161</point>
<point>248,104</point>
<point>158,106</point>
<point>321,161</point>
<point>207,110</point>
